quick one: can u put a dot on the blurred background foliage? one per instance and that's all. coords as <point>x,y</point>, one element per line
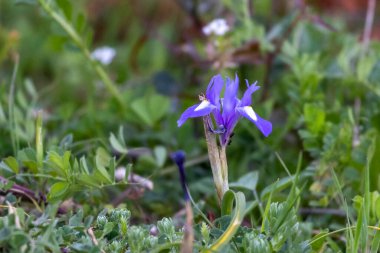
<point>320,85</point>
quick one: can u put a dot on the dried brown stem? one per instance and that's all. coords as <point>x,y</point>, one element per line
<point>93,238</point>
<point>214,156</point>
<point>187,243</point>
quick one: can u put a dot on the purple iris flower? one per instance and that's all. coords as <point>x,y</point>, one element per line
<point>228,110</point>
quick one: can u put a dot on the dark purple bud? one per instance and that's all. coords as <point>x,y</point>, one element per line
<point>179,158</point>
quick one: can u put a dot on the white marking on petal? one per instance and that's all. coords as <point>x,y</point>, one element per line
<point>249,111</point>
<point>202,105</point>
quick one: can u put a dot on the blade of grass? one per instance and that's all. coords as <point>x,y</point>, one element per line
<point>340,230</point>
<point>375,242</point>
<point>358,230</point>
<point>199,210</point>
<point>293,195</point>
<point>267,207</point>
<point>289,205</point>
<point>283,164</point>
<point>343,200</point>
<point>11,105</point>
<point>295,178</point>
<point>367,198</point>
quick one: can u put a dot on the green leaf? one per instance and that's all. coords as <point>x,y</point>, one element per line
<point>8,185</point>
<point>150,108</point>
<point>236,220</point>
<point>31,165</point>
<point>227,203</point>
<point>66,141</point>
<point>248,181</point>
<point>21,101</point>
<point>66,8</point>
<point>29,86</point>
<point>117,145</point>
<point>128,170</point>
<point>102,160</point>
<point>108,228</point>
<point>365,66</point>
<point>80,22</point>
<point>314,117</point>
<point>56,160</point>
<point>88,180</point>
<point>83,165</point>
<point>76,220</point>
<point>102,157</point>
<point>18,240</point>
<point>377,208</point>
<point>12,163</point>
<point>58,191</point>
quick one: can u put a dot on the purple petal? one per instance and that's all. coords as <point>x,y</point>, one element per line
<point>214,88</point>
<point>218,116</point>
<point>230,99</point>
<point>198,110</point>
<point>230,125</point>
<point>246,99</point>
<point>263,125</point>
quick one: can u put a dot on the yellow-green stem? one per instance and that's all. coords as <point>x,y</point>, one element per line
<point>224,167</point>
<point>39,140</point>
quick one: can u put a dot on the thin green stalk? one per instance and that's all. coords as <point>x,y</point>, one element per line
<point>199,210</point>
<point>110,86</point>
<point>267,207</point>
<point>12,122</point>
<point>37,176</point>
<point>39,141</point>
<point>260,204</point>
<point>338,231</point>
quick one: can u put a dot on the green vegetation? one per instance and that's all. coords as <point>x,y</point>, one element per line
<point>86,143</point>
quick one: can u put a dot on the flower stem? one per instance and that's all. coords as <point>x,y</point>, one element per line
<point>218,165</point>
<point>224,167</point>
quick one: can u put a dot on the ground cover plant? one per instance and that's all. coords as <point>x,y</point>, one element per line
<point>189,126</point>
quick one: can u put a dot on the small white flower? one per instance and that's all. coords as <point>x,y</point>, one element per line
<point>104,54</point>
<point>217,26</point>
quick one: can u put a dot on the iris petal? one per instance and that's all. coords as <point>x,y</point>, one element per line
<point>246,99</point>
<point>263,125</point>
<point>230,99</point>
<point>194,111</point>
<point>214,88</point>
